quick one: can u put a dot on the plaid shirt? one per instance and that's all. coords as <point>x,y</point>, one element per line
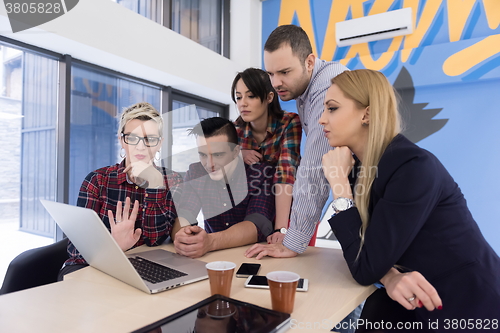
<point>249,198</point>
<point>280,147</point>
<point>102,189</point>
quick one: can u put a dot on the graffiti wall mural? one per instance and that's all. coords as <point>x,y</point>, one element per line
<point>447,73</point>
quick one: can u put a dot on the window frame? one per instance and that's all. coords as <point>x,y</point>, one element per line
<point>182,96</point>
<point>225,30</point>
<point>66,62</point>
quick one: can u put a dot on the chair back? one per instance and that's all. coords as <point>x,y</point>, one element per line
<point>35,267</point>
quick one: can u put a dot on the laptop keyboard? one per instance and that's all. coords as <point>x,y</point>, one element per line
<point>153,272</point>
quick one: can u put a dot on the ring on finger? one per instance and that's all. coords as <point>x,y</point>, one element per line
<point>117,221</point>
<point>411,299</point>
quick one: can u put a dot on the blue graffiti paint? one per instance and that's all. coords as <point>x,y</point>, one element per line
<point>420,10</point>
<point>367,6</point>
<point>320,17</point>
<point>340,53</point>
<point>483,69</point>
<point>429,36</point>
<point>391,66</point>
<point>398,4</point>
<point>380,46</point>
<point>295,19</point>
<point>472,22</point>
<point>354,62</point>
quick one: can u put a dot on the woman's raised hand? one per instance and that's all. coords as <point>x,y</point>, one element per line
<point>338,163</point>
<point>123,228</point>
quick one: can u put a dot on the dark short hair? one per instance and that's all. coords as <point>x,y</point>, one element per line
<point>291,35</point>
<point>214,126</point>
<point>259,84</point>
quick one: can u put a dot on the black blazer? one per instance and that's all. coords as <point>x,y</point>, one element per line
<point>419,219</point>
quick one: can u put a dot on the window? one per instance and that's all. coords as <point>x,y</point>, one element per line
<point>206,22</point>
<point>97,100</point>
<point>199,21</point>
<point>29,112</point>
<point>39,104</point>
<point>187,111</point>
<point>28,105</point>
<point>150,9</point>
<point>11,114</point>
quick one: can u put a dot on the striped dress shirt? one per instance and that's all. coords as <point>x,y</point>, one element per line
<point>311,188</point>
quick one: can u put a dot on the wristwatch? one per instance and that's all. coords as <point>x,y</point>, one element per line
<point>282,230</point>
<point>341,204</point>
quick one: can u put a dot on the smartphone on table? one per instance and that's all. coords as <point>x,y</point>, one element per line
<point>247,269</point>
<point>260,281</point>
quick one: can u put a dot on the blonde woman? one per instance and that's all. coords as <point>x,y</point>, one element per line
<point>400,217</point>
<point>134,198</point>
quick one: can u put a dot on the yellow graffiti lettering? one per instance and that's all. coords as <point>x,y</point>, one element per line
<point>428,14</point>
<point>338,13</point>
<point>380,6</point>
<point>492,9</point>
<point>469,57</point>
<point>303,9</point>
<point>458,12</point>
<point>368,61</point>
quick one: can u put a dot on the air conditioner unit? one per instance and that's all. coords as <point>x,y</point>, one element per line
<point>374,27</point>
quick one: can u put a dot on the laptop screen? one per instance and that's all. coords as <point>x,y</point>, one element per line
<point>221,314</point>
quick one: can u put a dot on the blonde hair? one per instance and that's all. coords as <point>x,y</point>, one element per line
<point>369,88</point>
<point>142,111</point>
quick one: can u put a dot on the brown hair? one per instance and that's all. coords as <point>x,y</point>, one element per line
<point>291,35</point>
<point>259,84</point>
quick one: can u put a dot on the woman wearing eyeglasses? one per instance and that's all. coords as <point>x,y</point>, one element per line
<point>134,198</point>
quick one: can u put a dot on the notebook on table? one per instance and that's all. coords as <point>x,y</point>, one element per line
<point>150,271</point>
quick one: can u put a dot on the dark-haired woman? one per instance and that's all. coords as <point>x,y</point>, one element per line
<point>267,133</point>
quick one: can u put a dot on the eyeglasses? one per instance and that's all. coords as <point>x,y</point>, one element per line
<point>149,141</point>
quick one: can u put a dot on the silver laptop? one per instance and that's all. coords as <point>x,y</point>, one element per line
<point>93,240</point>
